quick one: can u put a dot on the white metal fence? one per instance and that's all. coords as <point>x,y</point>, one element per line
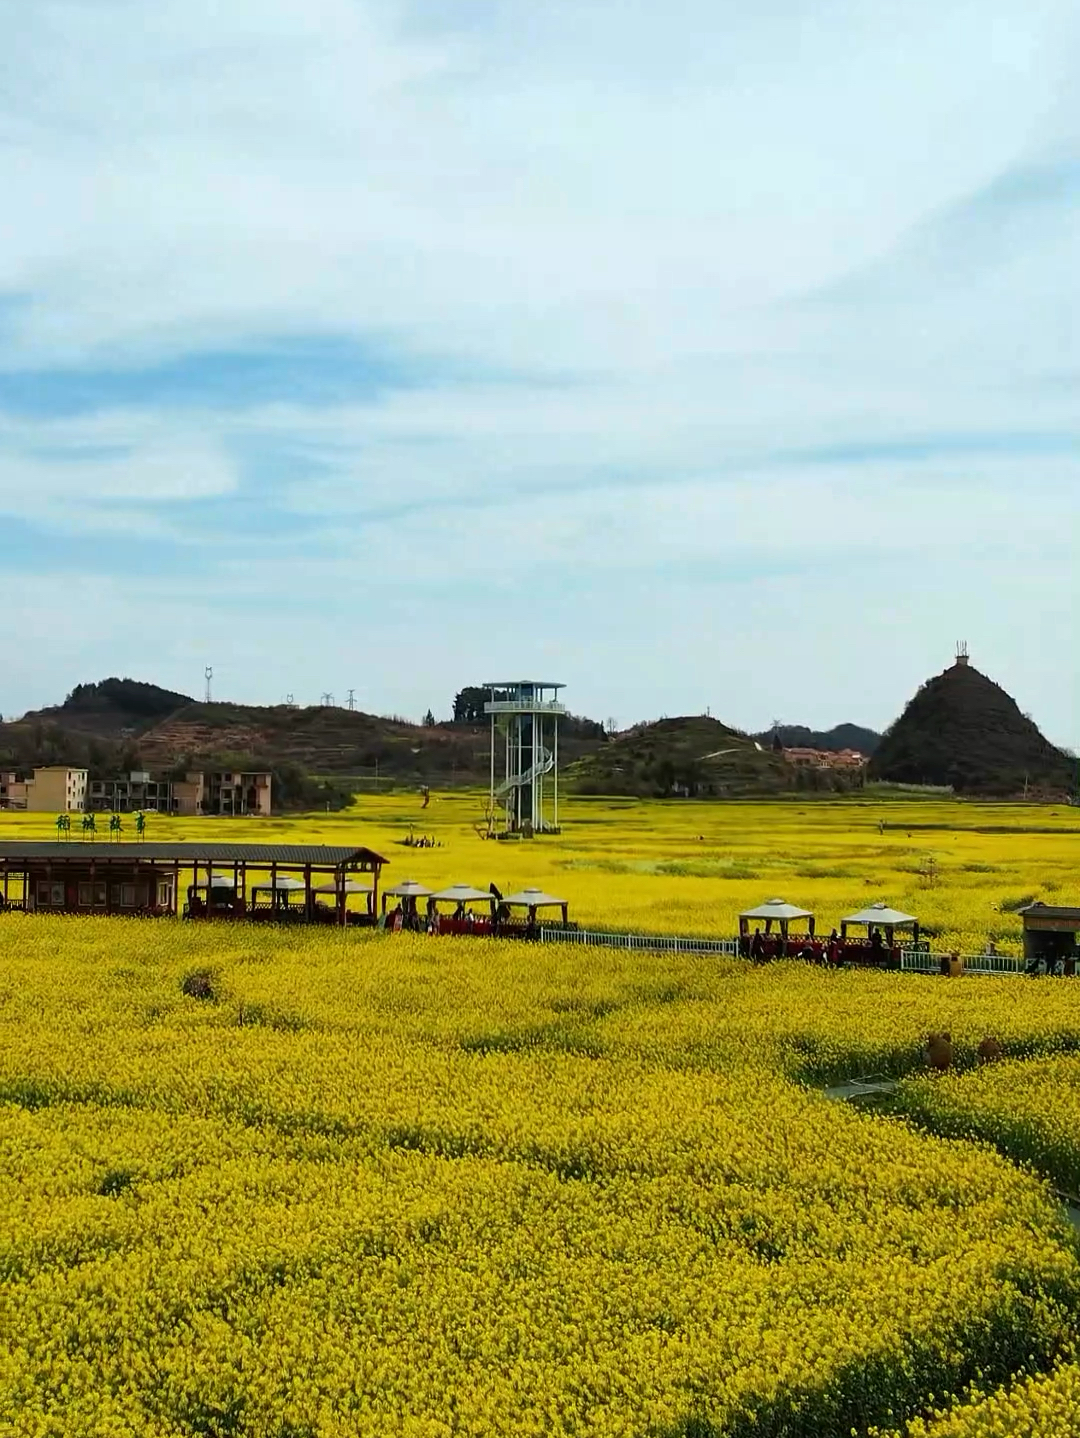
<point>653,943</point>
<point>918,961</point>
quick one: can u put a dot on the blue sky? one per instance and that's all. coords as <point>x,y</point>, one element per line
<point>706,355</point>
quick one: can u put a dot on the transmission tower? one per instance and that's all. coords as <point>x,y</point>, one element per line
<point>352,699</point>
<point>327,700</point>
<point>208,675</point>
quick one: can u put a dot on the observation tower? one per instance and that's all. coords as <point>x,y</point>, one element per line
<point>524,754</point>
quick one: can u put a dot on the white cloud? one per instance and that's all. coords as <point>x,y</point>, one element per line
<point>669,259</point>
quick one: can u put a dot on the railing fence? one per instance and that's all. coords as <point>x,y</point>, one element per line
<point>912,960</point>
<point>653,943</point>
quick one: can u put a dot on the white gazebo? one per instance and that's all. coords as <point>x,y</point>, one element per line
<point>778,912</point>
<point>349,888</point>
<point>409,891</point>
<point>881,918</point>
<point>533,899</point>
<point>461,895</point>
<point>279,887</point>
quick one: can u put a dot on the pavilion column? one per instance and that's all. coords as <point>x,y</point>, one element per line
<point>341,896</point>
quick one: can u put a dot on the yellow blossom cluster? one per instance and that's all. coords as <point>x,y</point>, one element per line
<point>1030,1109</point>
<point>399,1184</point>
<point>1035,1406</point>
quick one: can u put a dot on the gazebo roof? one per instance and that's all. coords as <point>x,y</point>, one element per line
<point>776,909</point>
<point>409,889</point>
<point>352,886</point>
<point>283,884</point>
<point>881,914</point>
<point>463,893</point>
<point>533,899</point>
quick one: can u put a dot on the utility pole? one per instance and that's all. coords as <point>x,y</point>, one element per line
<point>208,674</point>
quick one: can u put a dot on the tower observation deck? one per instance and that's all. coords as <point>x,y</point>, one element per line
<point>524,756</point>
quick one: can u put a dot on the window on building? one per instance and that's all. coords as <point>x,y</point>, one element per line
<point>127,896</point>
<point>101,896</point>
<point>86,896</point>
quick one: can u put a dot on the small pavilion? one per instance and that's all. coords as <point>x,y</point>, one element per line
<point>408,894</point>
<point>1050,933</point>
<point>462,919</point>
<point>532,900</point>
<point>780,913</point>
<point>353,888</point>
<point>886,922</point>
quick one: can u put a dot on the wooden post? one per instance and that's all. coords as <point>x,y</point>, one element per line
<point>341,896</point>
<point>273,889</point>
<point>374,900</point>
<point>309,898</point>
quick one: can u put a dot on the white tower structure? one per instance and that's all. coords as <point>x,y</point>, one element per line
<point>524,755</point>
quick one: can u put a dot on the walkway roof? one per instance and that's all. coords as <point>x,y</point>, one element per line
<point>70,850</point>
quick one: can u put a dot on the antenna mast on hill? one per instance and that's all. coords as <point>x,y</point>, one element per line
<point>208,674</point>
<point>961,652</point>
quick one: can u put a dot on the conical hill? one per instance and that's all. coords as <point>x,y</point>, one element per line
<point>963,729</point>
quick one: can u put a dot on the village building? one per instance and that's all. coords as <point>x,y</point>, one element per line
<point>804,758</point>
<point>54,789</point>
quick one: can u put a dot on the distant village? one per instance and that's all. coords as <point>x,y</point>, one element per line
<point>59,789</point>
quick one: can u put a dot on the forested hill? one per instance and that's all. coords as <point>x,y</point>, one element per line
<point>695,756</point>
<point>122,724</point>
<point>840,736</point>
<point>963,729</point>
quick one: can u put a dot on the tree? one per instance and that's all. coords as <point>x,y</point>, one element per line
<point>429,720</point>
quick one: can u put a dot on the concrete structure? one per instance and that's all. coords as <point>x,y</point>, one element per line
<point>137,792</point>
<point>524,753</point>
<point>12,790</point>
<point>224,791</point>
<point>54,789</point>
<point>228,792</point>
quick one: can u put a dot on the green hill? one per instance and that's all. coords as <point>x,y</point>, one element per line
<point>693,756</point>
<point>840,736</point>
<point>963,729</point>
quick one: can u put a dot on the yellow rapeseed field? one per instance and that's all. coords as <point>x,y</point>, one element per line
<point>396,1184</point>
<point>689,867</point>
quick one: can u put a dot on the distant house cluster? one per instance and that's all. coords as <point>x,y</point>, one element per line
<point>58,789</point>
<point>826,758</point>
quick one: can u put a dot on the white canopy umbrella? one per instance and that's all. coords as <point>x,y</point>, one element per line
<point>283,884</point>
